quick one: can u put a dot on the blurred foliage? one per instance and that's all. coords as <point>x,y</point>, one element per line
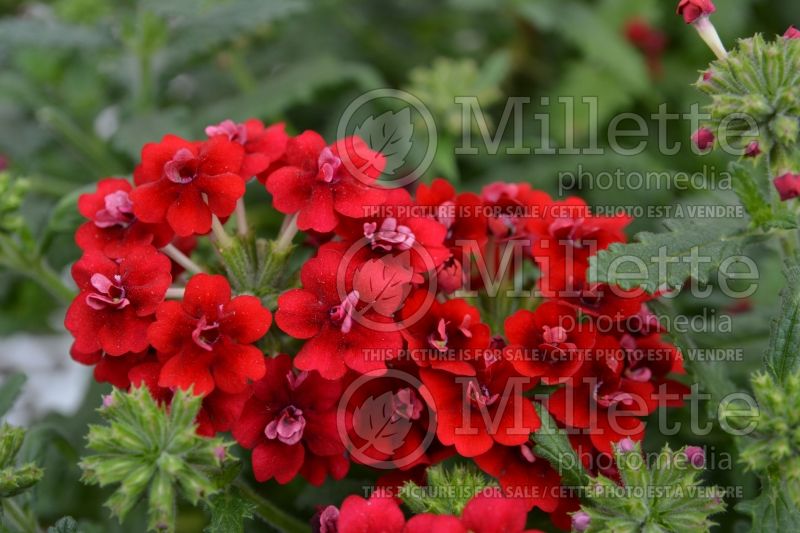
<point>84,83</point>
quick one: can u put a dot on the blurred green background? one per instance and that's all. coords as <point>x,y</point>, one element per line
<point>84,83</point>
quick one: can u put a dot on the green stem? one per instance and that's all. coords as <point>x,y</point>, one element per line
<point>269,512</point>
<point>50,280</point>
<point>25,522</point>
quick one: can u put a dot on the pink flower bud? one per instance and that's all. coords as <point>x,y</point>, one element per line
<point>788,185</point>
<point>581,521</point>
<point>626,445</point>
<point>703,139</point>
<point>707,75</point>
<point>696,456</point>
<point>108,400</point>
<point>692,10</point>
<point>753,149</point>
<point>792,33</point>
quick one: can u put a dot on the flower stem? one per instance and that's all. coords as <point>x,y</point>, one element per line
<point>179,257</point>
<point>269,512</point>
<point>175,293</point>
<point>241,218</point>
<point>287,233</point>
<point>219,232</point>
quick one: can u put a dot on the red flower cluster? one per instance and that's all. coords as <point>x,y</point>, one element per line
<point>415,333</point>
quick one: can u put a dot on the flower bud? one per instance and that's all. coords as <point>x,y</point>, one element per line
<point>581,521</point>
<point>703,139</point>
<point>696,456</point>
<point>626,445</point>
<point>753,149</point>
<point>792,33</point>
<point>787,185</point>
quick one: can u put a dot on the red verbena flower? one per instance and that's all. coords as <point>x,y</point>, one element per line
<point>444,336</point>
<point>549,343</point>
<point>475,412</point>
<point>184,183</point>
<point>342,331</point>
<point>263,146</point>
<point>692,10</point>
<point>117,299</point>
<point>290,424</point>
<point>325,183</point>
<point>112,226</point>
<point>523,475</point>
<point>205,340</point>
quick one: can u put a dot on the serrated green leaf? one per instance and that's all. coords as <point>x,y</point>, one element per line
<point>783,354</point>
<point>552,444</point>
<point>228,512</point>
<point>64,525</point>
<point>754,199</point>
<point>10,391</point>
<point>691,248</point>
<point>773,509</point>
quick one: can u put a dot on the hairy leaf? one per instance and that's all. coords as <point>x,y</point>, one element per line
<point>552,444</point>
<point>228,512</point>
<point>773,509</point>
<point>691,248</point>
<point>783,354</point>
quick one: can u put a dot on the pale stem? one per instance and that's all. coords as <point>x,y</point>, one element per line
<point>182,259</point>
<point>222,236</point>
<point>175,293</point>
<point>288,231</point>
<point>709,34</point>
<point>241,218</point>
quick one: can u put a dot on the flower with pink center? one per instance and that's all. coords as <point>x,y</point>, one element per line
<point>206,341</point>
<point>117,299</point>
<point>328,164</point>
<point>390,236</point>
<point>342,314</point>
<point>118,211</point>
<point>233,131</point>
<point>110,293</point>
<point>406,404</point>
<point>112,227</point>
<point>288,427</point>
<point>289,423</point>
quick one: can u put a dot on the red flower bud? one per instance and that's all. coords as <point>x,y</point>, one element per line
<point>703,139</point>
<point>788,186</point>
<point>792,33</point>
<point>753,149</point>
<point>692,10</point>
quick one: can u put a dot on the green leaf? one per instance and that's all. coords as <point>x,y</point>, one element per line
<point>64,525</point>
<point>754,199</point>
<point>783,354</point>
<point>773,509</point>
<point>10,390</point>
<point>228,512</point>
<point>552,444</point>
<point>692,248</point>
